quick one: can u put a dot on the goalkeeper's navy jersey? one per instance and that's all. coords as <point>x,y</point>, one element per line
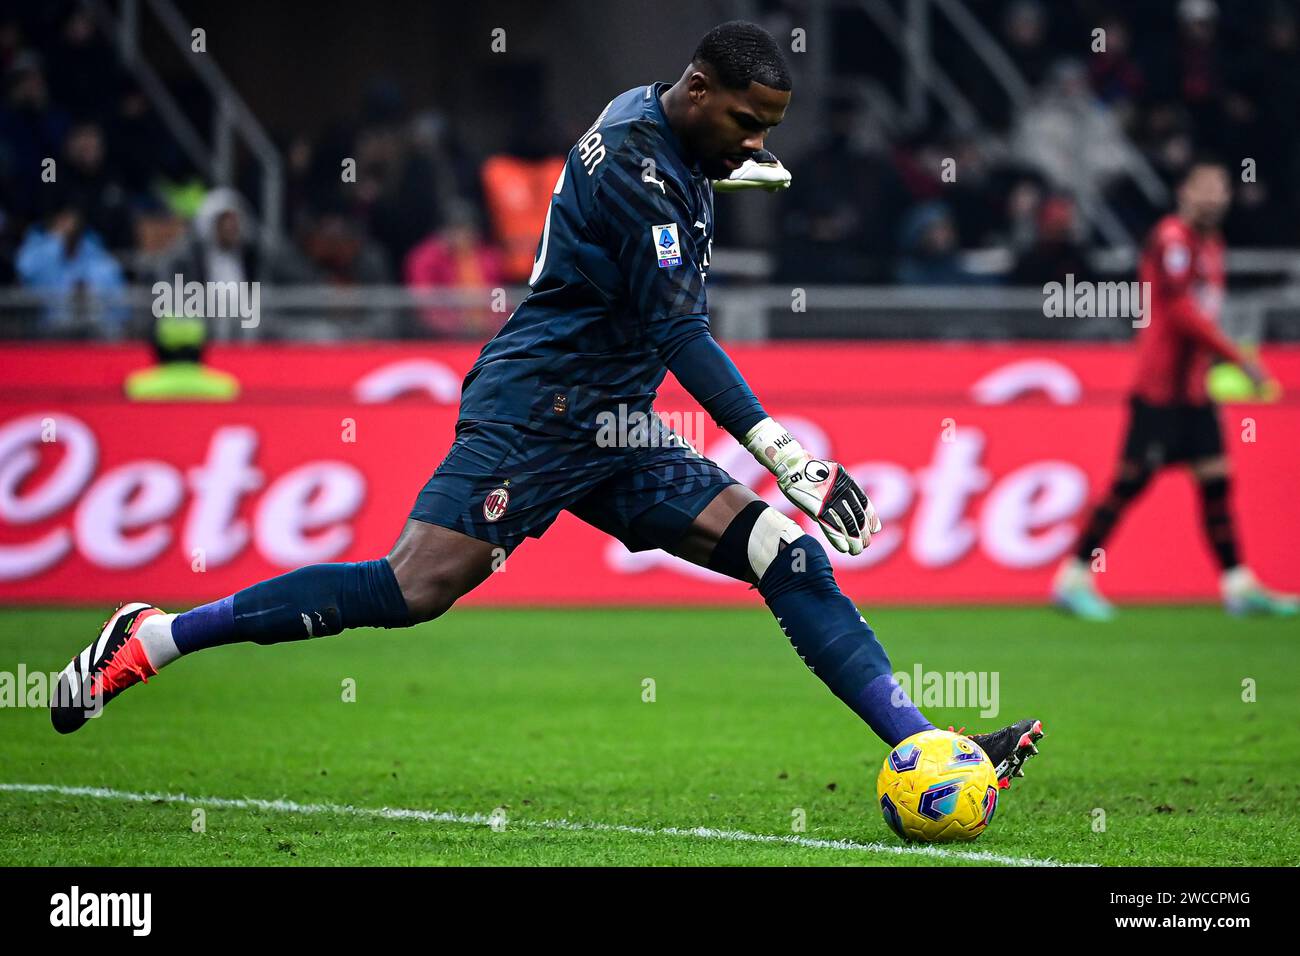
<point>622,259</point>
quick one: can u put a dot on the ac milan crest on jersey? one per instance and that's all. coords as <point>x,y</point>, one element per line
<point>494,505</point>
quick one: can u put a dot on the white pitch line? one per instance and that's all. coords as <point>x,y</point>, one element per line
<point>481,819</point>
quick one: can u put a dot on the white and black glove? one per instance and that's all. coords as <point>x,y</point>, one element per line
<point>761,171</point>
<point>820,489</point>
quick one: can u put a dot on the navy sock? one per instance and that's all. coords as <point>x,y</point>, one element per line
<point>206,626</point>
<point>315,601</point>
<point>835,642</point>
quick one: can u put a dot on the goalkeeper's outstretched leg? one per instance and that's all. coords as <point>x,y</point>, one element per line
<point>429,568</point>
<point>741,536</point>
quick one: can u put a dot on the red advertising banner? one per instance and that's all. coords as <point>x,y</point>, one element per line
<point>981,460</point>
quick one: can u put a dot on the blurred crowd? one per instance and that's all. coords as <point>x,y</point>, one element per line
<point>96,195</point>
<point>1178,80</point>
<point>872,203</point>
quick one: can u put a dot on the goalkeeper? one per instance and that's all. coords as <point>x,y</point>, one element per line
<point>618,299</point>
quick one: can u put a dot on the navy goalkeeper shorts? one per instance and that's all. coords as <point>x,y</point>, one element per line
<point>501,483</point>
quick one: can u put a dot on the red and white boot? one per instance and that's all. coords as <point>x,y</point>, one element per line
<point>110,664</point>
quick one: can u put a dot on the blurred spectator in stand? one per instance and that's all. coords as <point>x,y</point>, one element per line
<point>1018,217</point>
<point>836,220</point>
<point>69,263</point>
<point>395,192</point>
<point>918,162</point>
<point>63,254</point>
<point>457,257</point>
<point>928,253</point>
<point>457,177</point>
<point>1024,28</point>
<point>339,253</point>
<point>1197,70</point>
<point>86,181</point>
<point>1057,251</point>
<point>983,191</point>
<point>517,186</point>
<point>1075,141</point>
<point>141,146</point>
<point>1191,71</point>
<point>1114,74</point>
<point>218,247</point>
<point>180,375</point>
<point>1022,34</point>
<point>302,175</point>
<point>31,131</point>
<point>87,79</point>
<point>1024,38</point>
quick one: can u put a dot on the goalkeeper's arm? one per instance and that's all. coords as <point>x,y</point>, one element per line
<point>821,489</point>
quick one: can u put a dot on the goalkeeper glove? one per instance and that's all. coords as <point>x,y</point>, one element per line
<point>820,489</point>
<point>761,171</point>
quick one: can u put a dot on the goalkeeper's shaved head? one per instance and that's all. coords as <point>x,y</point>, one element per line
<point>742,53</point>
<point>736,88</point>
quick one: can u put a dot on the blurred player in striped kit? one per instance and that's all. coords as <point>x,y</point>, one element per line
<point>1172,419</point>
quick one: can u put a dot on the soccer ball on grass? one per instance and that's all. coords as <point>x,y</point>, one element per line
<point>937,786</point>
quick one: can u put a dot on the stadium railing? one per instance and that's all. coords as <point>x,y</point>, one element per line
<point>740,312</point>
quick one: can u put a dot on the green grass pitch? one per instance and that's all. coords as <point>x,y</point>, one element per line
<point>535,721</point>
